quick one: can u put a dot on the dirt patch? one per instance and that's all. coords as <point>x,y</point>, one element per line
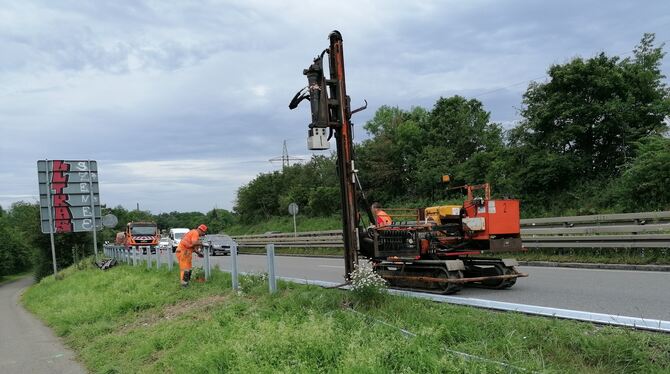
<point>171,312</point>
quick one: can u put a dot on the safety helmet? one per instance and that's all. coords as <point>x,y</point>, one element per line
<point>202,228</point>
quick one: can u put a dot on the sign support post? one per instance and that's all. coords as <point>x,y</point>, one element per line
<point>95,228</point>
<point>51,222</point>
<point>293,210</point>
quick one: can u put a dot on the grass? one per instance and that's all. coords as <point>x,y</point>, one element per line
<point>128,320</point>
<point>657,256</point>
<point>285,224</point>
<point>13,277</point>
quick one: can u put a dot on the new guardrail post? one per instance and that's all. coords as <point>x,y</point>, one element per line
<point>148,257</point>
<point>158,258</point>
<point>233,270</point>
<point>170,257</point>
<point>208,269</point>
<point>270,248</point>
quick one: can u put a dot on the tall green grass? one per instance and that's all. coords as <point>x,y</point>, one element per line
<point>285,224</point>
<point>133,320</point>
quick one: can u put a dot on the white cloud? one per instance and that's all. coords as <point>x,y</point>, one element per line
<point>158,90</point>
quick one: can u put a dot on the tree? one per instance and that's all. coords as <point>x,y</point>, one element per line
<point>644,183</point>
<point>591,112</point>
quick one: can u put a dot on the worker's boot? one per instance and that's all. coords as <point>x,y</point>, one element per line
<point>186,279</point>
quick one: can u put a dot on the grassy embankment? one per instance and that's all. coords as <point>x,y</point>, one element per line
<point>136,320</point>
<point>612,256</point>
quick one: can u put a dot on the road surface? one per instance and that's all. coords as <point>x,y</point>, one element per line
<point>639,294</point>
<point>26,345</point>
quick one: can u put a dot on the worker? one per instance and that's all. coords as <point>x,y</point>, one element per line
<point>381,217</point>
<point>188,244</point>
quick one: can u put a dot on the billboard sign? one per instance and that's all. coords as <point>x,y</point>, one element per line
<point>69,195</point>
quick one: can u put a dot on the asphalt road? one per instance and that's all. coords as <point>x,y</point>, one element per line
<point>26,345</point>
<point>620,292</point>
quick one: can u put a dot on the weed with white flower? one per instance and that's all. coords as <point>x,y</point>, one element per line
<point>367,286</point>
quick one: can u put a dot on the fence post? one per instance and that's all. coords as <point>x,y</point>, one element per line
<point>270,248</point>
<point>233,272</point>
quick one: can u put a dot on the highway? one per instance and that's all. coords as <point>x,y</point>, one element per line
<point>620,292</point>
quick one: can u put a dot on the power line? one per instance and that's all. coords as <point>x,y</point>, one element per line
<point>285,158</point>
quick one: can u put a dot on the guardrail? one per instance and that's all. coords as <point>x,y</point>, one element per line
<point>627,230</point>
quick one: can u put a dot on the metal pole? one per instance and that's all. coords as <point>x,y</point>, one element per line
<point>295,228</point>
<point>233,257</point>
<point>207,268</point>
<point>95,228</point>
<point>51,223</point>
<point>158,259</point>
<point>270,248</point>
<point>148,257</point>
<point>170,258</point>
<point>345,162</point>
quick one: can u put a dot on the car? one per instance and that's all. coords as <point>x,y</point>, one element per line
<point>217,244</point>
<point>164,244</point>
<point>175,236</point>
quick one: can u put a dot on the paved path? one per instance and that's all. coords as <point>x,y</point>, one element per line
<point>26,345</point>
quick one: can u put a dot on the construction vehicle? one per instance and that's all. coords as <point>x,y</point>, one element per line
<point>437,249</point>
<point>139,236</point>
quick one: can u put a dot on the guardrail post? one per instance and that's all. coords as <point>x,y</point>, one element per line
<point>158,258</point>
<point>170,257</point>
<point>233,270</point>
<point>270,248</point>
<point>148,257</point>
<point>208,269</point>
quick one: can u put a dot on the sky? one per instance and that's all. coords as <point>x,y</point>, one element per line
<point>183,102</point>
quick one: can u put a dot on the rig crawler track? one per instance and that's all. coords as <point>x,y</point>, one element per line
<point>448,277</point>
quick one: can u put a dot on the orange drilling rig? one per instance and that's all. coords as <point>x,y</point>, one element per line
<point>437,249</point>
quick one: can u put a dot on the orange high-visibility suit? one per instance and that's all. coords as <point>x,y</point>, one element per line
<point>383,219</point>
<point>184,254</point>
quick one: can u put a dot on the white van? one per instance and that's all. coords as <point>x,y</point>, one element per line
<point>175,237</point>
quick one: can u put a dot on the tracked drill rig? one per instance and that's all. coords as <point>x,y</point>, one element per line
<point>435,249</point>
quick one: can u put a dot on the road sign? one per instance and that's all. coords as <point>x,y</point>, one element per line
<point>110,220</point>
<point>69,195</point>
<point>293,209</point>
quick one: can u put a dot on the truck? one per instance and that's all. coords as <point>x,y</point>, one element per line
<point>175,237</point>
<point>139,236</point>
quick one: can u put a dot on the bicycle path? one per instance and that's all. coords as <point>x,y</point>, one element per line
<point>26,344</point>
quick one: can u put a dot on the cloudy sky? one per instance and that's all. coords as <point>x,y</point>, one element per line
<point>183,102</point>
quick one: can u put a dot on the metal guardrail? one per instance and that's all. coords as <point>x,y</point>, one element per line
<point>627,230</point>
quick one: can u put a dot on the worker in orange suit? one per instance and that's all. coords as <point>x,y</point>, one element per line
<point>189,243</point>
<point>381,217</point>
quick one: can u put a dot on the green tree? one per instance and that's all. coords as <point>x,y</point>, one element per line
<point>591,112</point>
<point>644,183</point>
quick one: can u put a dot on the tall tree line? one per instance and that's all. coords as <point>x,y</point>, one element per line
<point>592,138</point>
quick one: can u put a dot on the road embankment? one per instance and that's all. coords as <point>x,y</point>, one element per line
<point>137,320</point>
